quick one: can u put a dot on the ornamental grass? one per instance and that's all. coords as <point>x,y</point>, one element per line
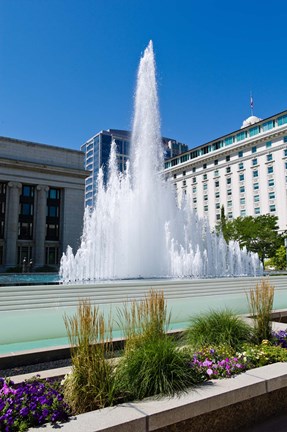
<point>91,384</point>
<point>261,304</point>
<point>216,328</point>
<point>152,365</point>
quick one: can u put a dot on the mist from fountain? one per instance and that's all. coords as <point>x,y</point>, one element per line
<point>136,228</point>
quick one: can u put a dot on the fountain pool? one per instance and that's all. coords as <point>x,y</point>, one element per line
<point>32,316</point>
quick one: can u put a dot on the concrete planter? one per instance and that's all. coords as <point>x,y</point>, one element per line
<point>227,404</point>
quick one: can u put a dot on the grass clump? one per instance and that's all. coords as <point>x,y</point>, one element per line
<point>218,328</point>
<point>91,384</point>
<point>261,304</point>
<point>152,364</point>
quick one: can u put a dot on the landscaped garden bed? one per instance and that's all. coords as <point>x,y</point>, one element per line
<point>153,365</point>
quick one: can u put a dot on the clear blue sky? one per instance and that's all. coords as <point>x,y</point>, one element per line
<point>68,67</point>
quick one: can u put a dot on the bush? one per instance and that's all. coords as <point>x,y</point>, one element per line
<point>91,384</point>
<point>217,328</point>
<point>155,367</point>
<point>261,305</point>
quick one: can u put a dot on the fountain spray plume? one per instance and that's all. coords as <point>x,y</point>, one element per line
<point>136,228</point>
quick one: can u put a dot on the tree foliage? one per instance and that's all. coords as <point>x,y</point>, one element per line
<point>258,234</point>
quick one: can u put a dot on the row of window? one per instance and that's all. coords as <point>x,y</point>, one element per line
<point>270,183</point>
<point>252,131</point>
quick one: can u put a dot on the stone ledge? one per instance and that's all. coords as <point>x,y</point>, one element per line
<point>154,415</point>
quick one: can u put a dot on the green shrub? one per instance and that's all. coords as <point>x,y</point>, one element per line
<point>91,384</point>
<point>155,367</point>
<point>216,328</point>
<point>261,305</point>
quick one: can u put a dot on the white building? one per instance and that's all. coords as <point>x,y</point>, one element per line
<point>246,171</point>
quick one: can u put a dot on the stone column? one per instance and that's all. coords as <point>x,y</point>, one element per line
<point>40,224</point>
<point>12,219</point>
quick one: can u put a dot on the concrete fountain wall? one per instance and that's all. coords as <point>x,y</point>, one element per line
<point>30,313</point>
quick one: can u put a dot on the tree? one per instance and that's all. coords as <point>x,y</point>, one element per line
<point>258,234</point>
<point>278,261</point>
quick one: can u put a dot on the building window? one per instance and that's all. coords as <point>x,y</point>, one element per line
<point>229,203</point>
<point>217,205</point>
<point>228,141</point>
<point>204,176</point>
<point>205,208</point>
<point>216,162</point>
<point>53,214</point>
<point>52,255</point>
<point>204,166</point>
<point>240,136</point>
<point>229,192</point>
<point>241,177</point>
<point>255,186</point>
<point>257,210</point>
<point>24,253</point>
<point>194,189</point>
<point>255,173</point>
<point>254,149</point>
<point>254,162</point>
<point>227,158</point>
<point>240,154</point>
<point>242,213</point>
<point>242,201</point>
<point>270,169</point>
<point>194,169</point>
<point>216,173</point>
<point>269,157</point>
<point>285,152</point>
<point>194,200</point>
<point>256,198</point>
<point>242,189</point>
<point>228,180</point>
<point>194,180</point>
<point>184,183</point>
<point>282,120</point>
<point>26,218</point>
<point>174,176</point>
<point>205,186</point>
<point>271,195</point>
<point>217,194</point>
<point>183,173</point>
<point>268,144</point>
<point>205,197</point>
<point>218,217</point>
<point>271,182</point>
<point>228,170</point>
<point>254,131</point>
<point>216,184</point>
<point>3,189</point>
<point>241,166</point>
<point>272,208</point>
<point>268,125</point>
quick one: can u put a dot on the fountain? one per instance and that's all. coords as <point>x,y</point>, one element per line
<point>136,229</point>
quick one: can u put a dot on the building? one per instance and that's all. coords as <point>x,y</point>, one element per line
<point>245,171</point>
<point>97,152</point>
<point>41,202</point>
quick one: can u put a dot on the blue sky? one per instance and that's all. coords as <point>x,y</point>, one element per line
<point>68,67</point>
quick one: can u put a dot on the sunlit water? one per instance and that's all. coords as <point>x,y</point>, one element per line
<point>136,228</point>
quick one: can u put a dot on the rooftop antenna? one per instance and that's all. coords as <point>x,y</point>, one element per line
<point>251,103</point>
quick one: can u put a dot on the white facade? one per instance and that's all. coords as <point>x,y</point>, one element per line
<point>245,171</point>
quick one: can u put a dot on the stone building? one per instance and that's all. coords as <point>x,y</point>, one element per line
<point>42,191</point>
